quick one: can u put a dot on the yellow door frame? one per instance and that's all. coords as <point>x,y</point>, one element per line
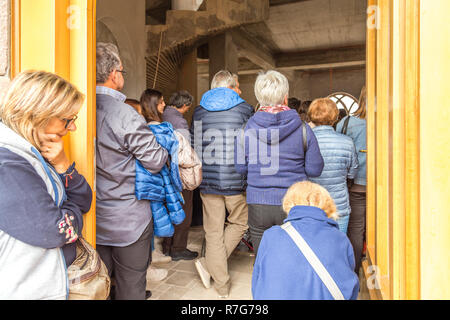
<point>407,163</point>
<point>59,36</point>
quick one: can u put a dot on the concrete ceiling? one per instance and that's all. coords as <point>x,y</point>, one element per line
<point>311,25</point>
<point>298,35</point>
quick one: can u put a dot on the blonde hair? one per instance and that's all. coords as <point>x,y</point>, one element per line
<point>323,112</point>
<point>361,112</point>
<point>307,193</point>
<point>35,97</point>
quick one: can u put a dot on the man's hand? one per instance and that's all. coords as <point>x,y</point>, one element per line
<point>52,149</point>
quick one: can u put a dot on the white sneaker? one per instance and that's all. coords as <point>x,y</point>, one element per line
<point>155,275</point>
<point>160,258</point>
<point>203,273</point>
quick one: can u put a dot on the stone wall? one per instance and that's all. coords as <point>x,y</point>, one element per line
<point>123,23</point>
<point>5,28</point>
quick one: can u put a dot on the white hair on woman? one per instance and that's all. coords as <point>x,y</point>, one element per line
<point>271,88</point>
<point>224,79</point>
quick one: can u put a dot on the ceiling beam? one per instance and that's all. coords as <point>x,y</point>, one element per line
<point>331,58</point>
<point>252,49</point>
<point>345,56</point>
<point>273,3</point>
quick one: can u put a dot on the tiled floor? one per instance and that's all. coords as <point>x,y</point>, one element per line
<point>183,281</point>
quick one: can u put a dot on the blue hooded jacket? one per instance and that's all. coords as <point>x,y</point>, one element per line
<point>221,113</point>
<point>295,278</point>
<point>162,189</point>
<point>286,162</point>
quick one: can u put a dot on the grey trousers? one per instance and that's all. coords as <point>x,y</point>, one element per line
<point>128,265</point>
<point>262,217</point>
<point>357,225</point>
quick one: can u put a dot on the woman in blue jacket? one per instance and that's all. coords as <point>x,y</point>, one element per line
<point>42,196</point>
<point>339,155</point>
<point>280,149</point>
<point>355,127</point>
<point>311,213</point>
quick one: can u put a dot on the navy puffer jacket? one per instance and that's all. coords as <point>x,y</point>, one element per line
<point>215,124</point>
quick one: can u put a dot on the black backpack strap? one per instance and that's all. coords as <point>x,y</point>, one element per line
<point>345,126</point>
<point>305,138</point>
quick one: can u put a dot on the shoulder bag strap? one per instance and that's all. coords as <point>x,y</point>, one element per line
<point>305,140</point>
<point>314,261</point>
<point>345,126</point>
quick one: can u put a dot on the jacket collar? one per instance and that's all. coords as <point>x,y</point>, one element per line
<point>301,212</point>
<point>111,92</point>
<point>323,128</point>
<point>220,99</point>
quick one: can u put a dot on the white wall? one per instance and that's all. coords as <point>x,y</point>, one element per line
<point>124,22</point>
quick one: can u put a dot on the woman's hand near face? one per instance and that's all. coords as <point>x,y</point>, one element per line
<point>52,149</point>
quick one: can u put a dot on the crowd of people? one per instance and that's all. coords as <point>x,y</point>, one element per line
<point>280,172</point>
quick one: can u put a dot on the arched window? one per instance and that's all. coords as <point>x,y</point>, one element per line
<point>345,101</point>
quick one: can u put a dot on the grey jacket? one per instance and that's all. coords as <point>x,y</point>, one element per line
<point>179,123</point>
<point>122,137</point>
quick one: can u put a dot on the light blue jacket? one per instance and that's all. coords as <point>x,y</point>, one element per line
<point>357,130</point>
<point>341,162</point>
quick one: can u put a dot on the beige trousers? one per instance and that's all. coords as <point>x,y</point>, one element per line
<point>220,241</point>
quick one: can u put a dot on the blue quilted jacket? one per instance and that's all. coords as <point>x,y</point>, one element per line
<point>164,188</point>
<point>341,162</point>
<point>214,122</point>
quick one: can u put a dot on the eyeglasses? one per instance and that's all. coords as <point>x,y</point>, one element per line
<point>123,72</point>
<point>69,121</point>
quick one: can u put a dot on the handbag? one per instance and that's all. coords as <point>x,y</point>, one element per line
<point>314,261</point>
<point>88,275</point>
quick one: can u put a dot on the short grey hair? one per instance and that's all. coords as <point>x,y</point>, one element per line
<point>108,60</point>
<point>271,88</point>
<point>181,98</point>
<point>224,79</point>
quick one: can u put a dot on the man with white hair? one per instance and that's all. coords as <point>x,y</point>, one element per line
<point>221,113</point>
<point>124,224</point>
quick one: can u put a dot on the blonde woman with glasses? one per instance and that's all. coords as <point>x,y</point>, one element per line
<point>42,196</point>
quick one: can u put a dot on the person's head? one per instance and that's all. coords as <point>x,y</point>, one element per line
<point>153,105</point>
<point>226,79</point>
<point>294,103</point>
<point>135,104</point>
<point>323,112</point>
<point>39,102</point>
<point>109,66</point>
<point>307,193</point>
<point>361,112</point>
<point>303,110</point>
<point>237,88</point>
<point>271,88</point>
<point>182,100</point>
<point>342,114</point>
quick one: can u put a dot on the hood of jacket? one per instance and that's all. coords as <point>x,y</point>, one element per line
<point>220,99</point>
<point>284,123</point>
